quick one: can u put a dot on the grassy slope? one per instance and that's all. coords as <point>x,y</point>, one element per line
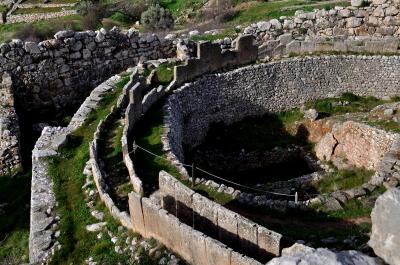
<point>14,216</point>
<point>45,27</point>
<point>21,11</point>
<point>66,170</point>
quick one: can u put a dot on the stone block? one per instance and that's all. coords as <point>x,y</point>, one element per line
<point>268,242</point>
<point>150,214</point>
<point>227,227</point>
<point>136,213</point>
<point>307,46</point>
<point>217,253</point>
<point>239,259</point>
<point>167,191</point>
<point>184,203</point>
<point>247,233</point>
<point>293,47</point>
<point>205,215</point>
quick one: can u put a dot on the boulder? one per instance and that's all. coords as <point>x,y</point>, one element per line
<point>357,3</point>
<point>301,254</point>
<point>311,114</point>
<point>385,236</point>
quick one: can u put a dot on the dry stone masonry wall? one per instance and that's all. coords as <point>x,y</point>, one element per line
<point>56,73</point>
<point>379,19</point>
<point>217,221</point>
<point>9,128</point>
<point>281,85</point>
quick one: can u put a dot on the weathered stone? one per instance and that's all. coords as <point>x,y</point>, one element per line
<point>385,236</point>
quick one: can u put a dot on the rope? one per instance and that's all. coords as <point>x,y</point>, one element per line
<point>215,176</point>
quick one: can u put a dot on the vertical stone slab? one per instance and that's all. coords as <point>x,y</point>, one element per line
<point>268,242</point>
<point>184,203</point>
<point>150,214</point>
<point>247,234</point>
<point>197,243</point>
<point>239,259</point>
<point>217,253</point>
<point>169,231</point>
<point>205,215</point>
<point>167,192</point>
<point>136,212</point>
<point>227,227</point>
<point>186,249</point>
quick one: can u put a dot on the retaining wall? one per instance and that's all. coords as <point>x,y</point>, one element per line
<point>288,46</point>
<point>150,220</point>
<point>210,58</point>
<point>56,74</point>
<point>258,89</point>
<point>43,219</point>
<point>217,221</point>
<point>10,159</point>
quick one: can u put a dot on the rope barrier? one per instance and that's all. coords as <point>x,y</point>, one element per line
<point>215,176</point>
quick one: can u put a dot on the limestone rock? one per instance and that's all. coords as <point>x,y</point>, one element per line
<point>325,147</point>
<point>300,254</point>
<point>356,3</point>
<point>311,114</point>
<point>385,237</point>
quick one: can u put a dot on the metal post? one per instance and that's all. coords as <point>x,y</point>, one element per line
<point>296,198</point>
<point>192,175</point>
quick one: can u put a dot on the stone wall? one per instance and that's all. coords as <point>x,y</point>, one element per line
<point>272,87</point>
<point>43,218</point>
<point>9,128</point>
<point>122,216</point>
<point>217,221</point>
<point>29,18</point>
<point>381,18</point>
<point>150,220</point>
<point>210,58</point>
<point>286,45</point>
<point>56,74</point>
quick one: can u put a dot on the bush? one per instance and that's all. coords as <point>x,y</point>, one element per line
<point>157,18</point>
<point>93,17</point>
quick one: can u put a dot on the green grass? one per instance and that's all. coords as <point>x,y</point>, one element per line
<point>387,125</point>
<point>34,10</point>
<point>275,9</point>
<point>148,136</point>
<point>177,6</point>
<point>14,216</point>
<point>165,73</point>
<point>121,18</point>
<point>45,28</point>
<point>3,8</point>
<point>66,171</point>
<point>344,179</point>
<point>329,106</point>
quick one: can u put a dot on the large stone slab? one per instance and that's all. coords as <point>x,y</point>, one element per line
<point>385,237</point>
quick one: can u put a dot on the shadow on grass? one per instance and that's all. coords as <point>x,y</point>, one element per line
<point>14,216</point>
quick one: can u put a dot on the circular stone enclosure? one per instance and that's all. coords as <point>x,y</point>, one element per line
<point>269,88</point>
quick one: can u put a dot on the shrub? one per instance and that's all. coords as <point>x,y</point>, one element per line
<point>157,18</point>
<point>93,17</point>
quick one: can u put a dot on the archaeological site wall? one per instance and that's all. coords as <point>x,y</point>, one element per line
<point>151,220</point>
<point>272,87</point>
<point>9,128</point>
<point>379,18</point>
<point>215,220</point>
<point>58,73</point>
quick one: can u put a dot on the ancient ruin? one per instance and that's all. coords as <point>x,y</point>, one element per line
<point>270,150</point>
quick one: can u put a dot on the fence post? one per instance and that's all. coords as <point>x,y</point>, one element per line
<point>296,198</point>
